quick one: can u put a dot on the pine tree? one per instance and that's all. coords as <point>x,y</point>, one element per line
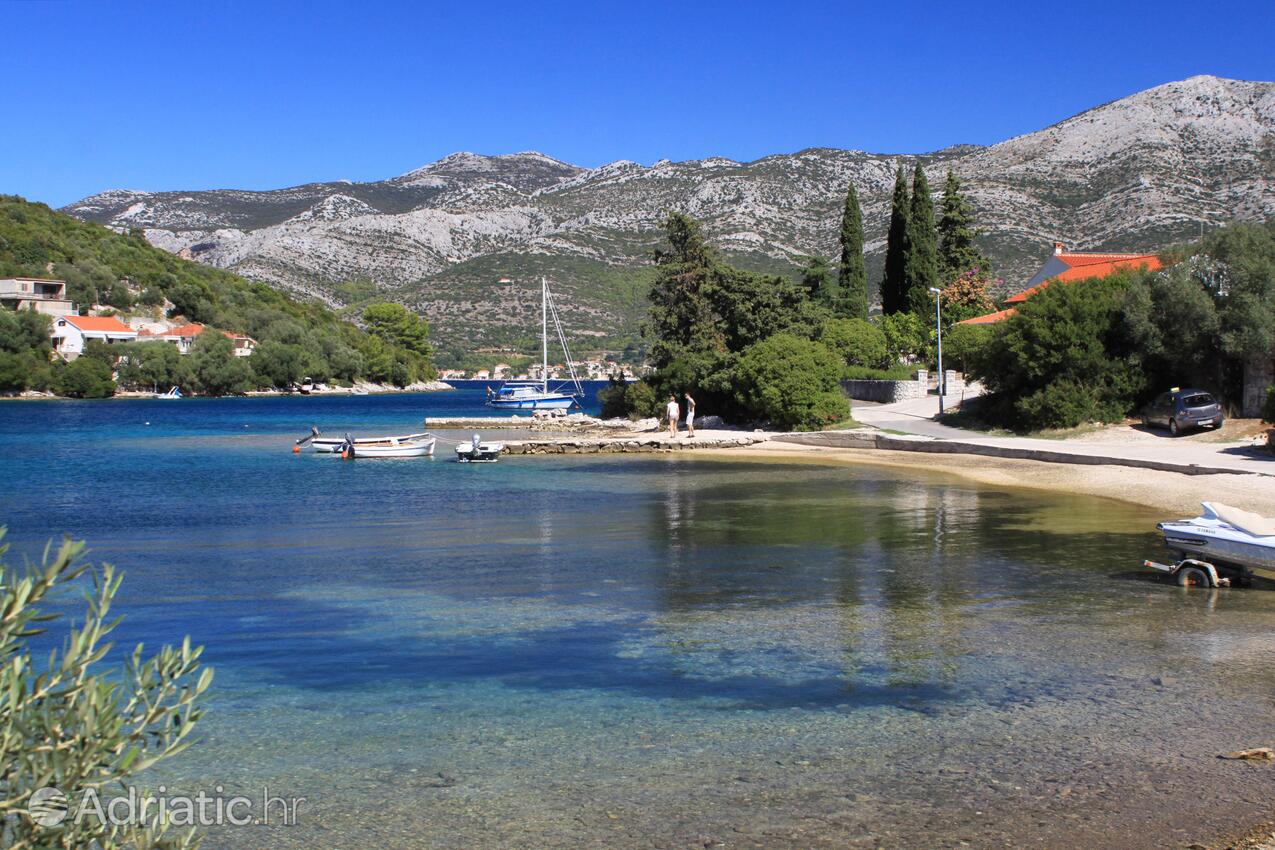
<point>852,275</point>
<point>957,251</point>
<point>893,285</point>
<point>920,255</point>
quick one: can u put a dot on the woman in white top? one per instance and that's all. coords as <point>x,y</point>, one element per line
<point>672,413</point>
<point>690,416</point>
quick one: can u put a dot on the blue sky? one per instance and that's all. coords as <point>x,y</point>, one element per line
<point>263,95</point>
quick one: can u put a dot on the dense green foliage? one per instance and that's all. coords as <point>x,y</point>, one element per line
<point>100,266</point>
<point>791,381</point>
<point>67,722</point>
<point>1064,358</point>
<point>1096,350</point>
<point>957,252</point>
<point>1268,406</point>
<point>24,351</point>
<point>84,377</point>
<point>852,275</point>
<point>856,341</point>
<point>894,292</point>
<point>920,255</point>
<point>962,344</point>
<point>634,399</point>
<point>707,317</point>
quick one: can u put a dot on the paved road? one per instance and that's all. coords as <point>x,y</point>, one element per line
<point>916,416</point>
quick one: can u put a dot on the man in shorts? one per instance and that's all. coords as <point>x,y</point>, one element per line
<point>690,416</point>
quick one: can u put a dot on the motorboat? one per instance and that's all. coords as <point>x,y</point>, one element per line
<point>410,445</point>
<point>173,393</point>
<point>536,395</point>
<point>1225,537</point>
<point>476,451</point>
<point>379,446</point>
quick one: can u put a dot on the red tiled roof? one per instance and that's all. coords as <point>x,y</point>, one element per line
<point>191,329</point>
<point>990,318</point>
<point>1081,266</point>
<point>100,324</point>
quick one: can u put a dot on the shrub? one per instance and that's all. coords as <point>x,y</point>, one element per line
<point>907,337</point>
<point>85,377</point>
<point>1063,359</point>
<point>963,344</point>
<point>213,367</point>
<point>792,382</point>
<point>72,724</point>
<point>857,341</point>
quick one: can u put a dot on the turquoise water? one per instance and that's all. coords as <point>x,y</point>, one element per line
<point>651,651</point>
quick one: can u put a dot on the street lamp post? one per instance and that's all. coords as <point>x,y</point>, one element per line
<point>938,326</point>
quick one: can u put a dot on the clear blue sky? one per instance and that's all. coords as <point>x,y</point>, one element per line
<point>261,95</point>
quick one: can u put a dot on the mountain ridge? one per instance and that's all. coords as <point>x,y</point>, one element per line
<point>1137,173</point>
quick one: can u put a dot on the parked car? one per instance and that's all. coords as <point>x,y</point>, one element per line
<point>1181,410</point>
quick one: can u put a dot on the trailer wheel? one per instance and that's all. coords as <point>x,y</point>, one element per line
<point>1192,577</point>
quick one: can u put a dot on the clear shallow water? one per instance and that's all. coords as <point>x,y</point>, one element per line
<point>653,651</point>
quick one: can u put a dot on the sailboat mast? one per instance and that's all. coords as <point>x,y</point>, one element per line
<point>544,334</point>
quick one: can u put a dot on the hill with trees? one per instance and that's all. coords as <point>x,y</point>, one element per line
<point>125,273</point>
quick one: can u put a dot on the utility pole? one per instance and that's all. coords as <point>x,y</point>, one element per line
<point>938,326</point>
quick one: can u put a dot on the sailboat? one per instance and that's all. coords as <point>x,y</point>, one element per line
<point>536,395</point>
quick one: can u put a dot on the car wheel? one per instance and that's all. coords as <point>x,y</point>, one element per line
<point>1173,427</point>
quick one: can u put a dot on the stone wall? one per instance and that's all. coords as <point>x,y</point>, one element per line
<point>888,391</point>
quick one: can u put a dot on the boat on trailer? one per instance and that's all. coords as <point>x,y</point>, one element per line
<point>1222,545</point>
<point>536,395</point>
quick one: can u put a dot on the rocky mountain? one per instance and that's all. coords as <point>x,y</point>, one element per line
<point>1135,174</point>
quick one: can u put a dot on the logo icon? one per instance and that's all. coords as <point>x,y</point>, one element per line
<point>48,806</point>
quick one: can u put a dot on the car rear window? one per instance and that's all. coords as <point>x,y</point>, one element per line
<point>1198,400</point>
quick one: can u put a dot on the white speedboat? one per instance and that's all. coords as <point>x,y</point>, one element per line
<point>1225,537</point>
<point>476,451</point>
<point>410,445</point>
<point>173,393</point>
<point>536,395</point>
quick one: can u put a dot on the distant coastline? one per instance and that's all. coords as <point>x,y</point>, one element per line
<point>360,388</point>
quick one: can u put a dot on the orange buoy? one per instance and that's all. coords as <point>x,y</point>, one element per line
<point>296,450</point>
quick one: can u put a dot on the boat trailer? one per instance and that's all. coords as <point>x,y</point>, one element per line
<point>1191,572</point>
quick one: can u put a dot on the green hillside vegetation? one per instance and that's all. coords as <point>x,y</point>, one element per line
<point>295,339</point>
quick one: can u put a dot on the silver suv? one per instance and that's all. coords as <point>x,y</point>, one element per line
<point>1181,410</point>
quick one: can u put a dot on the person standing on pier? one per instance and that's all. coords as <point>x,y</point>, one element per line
<point>672,412</point>
<point>690,416</point>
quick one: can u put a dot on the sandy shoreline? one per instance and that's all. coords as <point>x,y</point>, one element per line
<point>1176,493</point>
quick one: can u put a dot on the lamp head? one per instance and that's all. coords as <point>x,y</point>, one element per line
<point>936,290</point>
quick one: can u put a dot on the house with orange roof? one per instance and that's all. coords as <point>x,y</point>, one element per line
<point>1064,267</point>
<point>185,335</point>
<point>70,334</point>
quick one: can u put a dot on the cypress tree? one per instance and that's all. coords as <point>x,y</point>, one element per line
<point>921,256</point>
<point>893,285</point>
<point>852,276</point>
<point>957,251</point>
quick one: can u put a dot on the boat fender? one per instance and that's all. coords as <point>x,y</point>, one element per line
<point>296,450</point>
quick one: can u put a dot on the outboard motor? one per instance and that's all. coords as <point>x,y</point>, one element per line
<point>476,441</point>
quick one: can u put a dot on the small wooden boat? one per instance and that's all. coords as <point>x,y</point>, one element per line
<point>476,451</point>
<point>403,445</point>
<point>409,445</point>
